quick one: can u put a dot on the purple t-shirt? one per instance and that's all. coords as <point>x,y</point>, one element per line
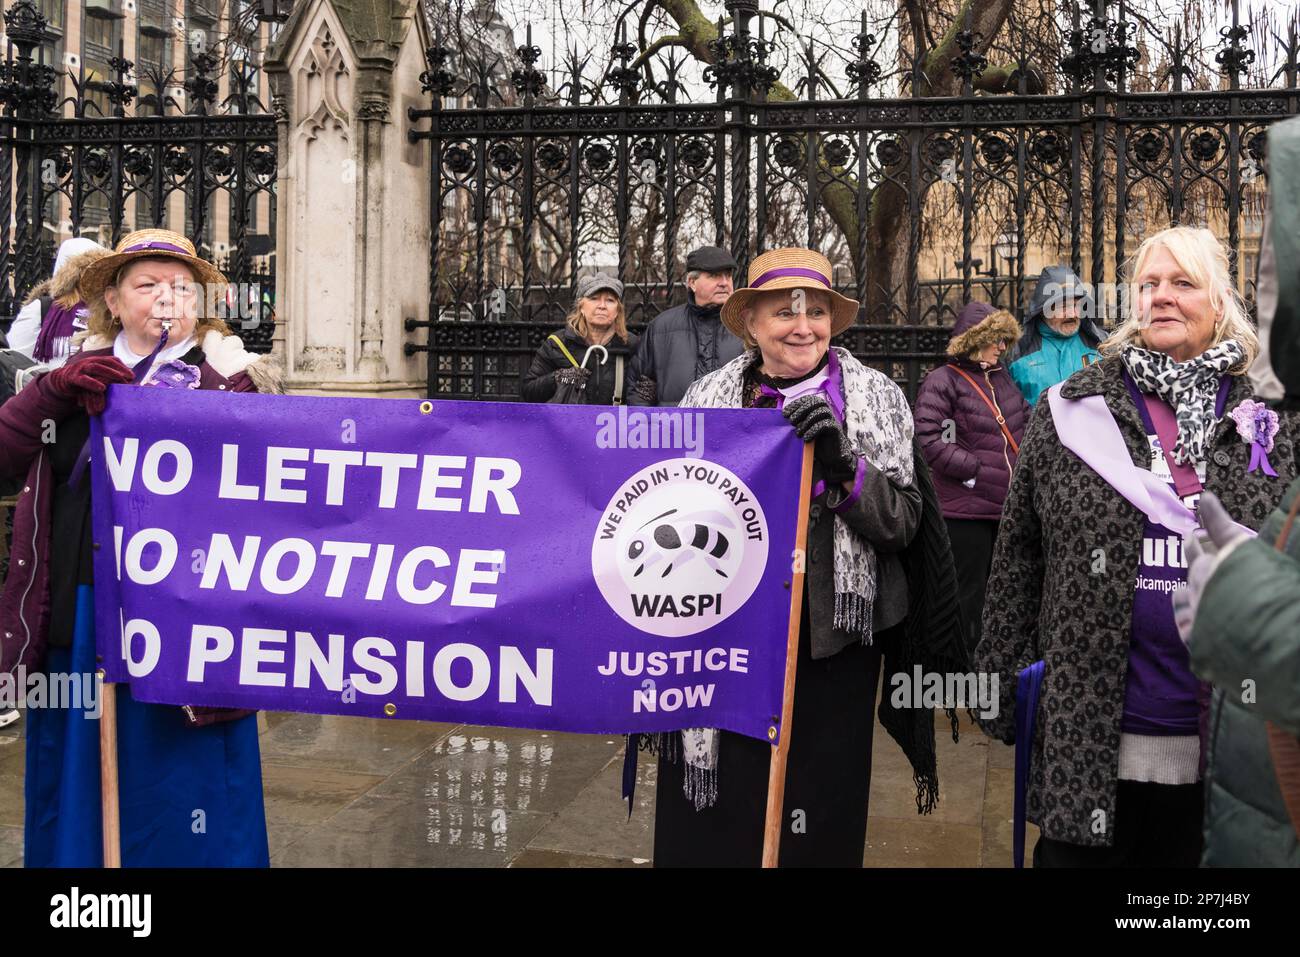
<point>1160,697</point>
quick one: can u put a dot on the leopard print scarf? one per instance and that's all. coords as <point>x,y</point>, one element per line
<point>1189,387</point>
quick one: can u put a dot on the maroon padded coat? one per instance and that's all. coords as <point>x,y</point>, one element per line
<point>959,433</point>
<point>25,600</point>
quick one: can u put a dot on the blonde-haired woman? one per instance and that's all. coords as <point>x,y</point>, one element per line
<point>1091,549</point>
<point>598,319</point>
<point>1203,262</point>
<point>145,327</point>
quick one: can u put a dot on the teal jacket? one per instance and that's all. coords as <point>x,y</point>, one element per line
<point>1057,358</point>
<point>1246,641</point>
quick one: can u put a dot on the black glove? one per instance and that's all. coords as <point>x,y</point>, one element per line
<point>814,421</point>
<point>647,389</point>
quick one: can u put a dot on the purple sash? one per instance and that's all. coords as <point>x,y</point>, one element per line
<point>1086,427</point>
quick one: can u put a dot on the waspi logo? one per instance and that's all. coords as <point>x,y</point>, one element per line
<point>681,546</point>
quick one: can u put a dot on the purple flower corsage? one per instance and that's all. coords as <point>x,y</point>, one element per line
<point>174,374</point>
<point>1257,424</point>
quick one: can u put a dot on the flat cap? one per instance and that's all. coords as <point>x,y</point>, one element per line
<point>590,285</point>
<point>710,259</point>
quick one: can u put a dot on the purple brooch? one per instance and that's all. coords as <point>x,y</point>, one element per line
<point>175,374</point>
<point>1257,424</point>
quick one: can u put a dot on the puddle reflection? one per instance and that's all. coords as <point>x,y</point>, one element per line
<point>486,777</point>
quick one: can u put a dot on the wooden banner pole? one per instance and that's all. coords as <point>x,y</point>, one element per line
<point>780,751</point>
<point>108,790</point>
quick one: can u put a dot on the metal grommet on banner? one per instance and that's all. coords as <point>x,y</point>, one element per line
<point>771,734</point>
<point>101,674</point>
<point>390,709</point>
<point>426,407</point>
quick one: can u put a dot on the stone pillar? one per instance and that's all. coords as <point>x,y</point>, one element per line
<point>352,194</point>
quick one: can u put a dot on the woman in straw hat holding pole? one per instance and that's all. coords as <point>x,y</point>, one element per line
<point>878,588</point>
<point>191,783</point>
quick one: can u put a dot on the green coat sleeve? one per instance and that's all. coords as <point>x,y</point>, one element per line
<point>1248,624</point>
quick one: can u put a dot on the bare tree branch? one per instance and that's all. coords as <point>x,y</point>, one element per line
<point>659,44</point>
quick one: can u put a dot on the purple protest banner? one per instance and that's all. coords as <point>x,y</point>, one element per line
<point>567,568</point>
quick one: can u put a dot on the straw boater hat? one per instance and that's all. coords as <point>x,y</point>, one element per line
<point>789,269</point>
<point>146,244</point>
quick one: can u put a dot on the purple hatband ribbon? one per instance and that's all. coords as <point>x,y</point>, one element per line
<point>158,244</point>
<point>800,271</point>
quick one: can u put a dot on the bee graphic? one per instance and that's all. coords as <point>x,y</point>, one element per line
<point>681,539</point>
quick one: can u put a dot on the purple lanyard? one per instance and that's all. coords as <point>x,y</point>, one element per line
<point>1158,419</point>
<point>144,365</point>
<point>138,373</point>
<point>830,386</point>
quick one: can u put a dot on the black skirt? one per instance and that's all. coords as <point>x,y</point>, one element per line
<point>828,777</point>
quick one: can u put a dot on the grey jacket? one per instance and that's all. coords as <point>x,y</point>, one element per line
<point>680,345</point>
<point>1048,290</point>
<point>915,579</point>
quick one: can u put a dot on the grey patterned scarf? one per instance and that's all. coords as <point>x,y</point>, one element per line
<point>878,421</point>
<point>1189,387</point>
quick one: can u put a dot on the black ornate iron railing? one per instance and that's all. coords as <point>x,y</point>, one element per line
<point>486,360</point>
<point>533,186</point>
<point>111,157</point>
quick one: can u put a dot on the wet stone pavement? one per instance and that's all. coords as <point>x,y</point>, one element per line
<point>362,792</point>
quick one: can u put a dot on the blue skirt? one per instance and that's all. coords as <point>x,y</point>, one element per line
<point>190,797</point>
